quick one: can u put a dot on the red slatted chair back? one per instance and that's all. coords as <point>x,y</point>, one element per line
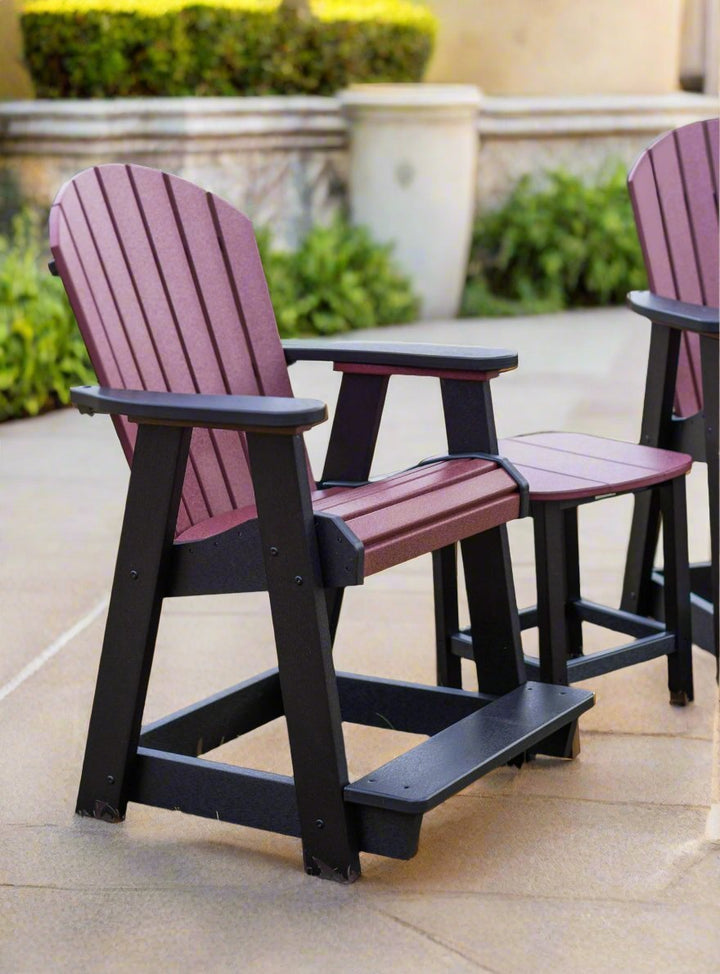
<point>169,292</point>
<point>674,191</point>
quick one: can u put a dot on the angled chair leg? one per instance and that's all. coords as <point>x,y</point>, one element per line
<point>677,589</point>
<point>445,587</point>
<point>550,554</point>
<point>709,353</point>
<point>304,650</point>
<point>637,594</point>
<point>494,621</point>
<point>572,584</point>
<point>147,532</point>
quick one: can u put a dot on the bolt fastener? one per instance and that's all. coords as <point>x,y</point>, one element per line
<point>274,551</point>
<point>298,579</point>
<point>134,575</point>
<point>319,824</point>
<point>110,779</point>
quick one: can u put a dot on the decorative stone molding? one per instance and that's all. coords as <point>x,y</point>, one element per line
<point>593,115</point>
<point>284,160</point>
<point>582,134</point>
<point>281,160</point>
<point>155,125</point>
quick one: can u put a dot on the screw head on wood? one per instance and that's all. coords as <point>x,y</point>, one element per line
<point>134,575</point>
<point>298,579</point>
<point>110,779</point>
<point>274,551</point>
<point>319,824</point>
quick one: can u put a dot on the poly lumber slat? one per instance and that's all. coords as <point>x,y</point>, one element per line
<point>402,486</point>
<point>559,467</point>
<point>695,165</point>
<point>425,776</point>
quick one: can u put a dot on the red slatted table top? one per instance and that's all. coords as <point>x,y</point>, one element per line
<point>575,466</point>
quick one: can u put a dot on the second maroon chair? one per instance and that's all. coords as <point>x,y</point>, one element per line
<point>674,192</point>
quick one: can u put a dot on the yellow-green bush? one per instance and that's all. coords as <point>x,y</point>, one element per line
<point>41,351</point>
<point>121,48</point>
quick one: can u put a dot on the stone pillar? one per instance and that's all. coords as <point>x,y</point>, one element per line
<point>413,164</point>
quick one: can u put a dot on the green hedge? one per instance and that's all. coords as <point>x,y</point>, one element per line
<point>338,279</point>
<point>41,351</point>
<point>557,242</point>
<point>122,48</point>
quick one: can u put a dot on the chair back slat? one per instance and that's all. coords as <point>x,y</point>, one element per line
<point>673,188</point>
<point>168,289</point>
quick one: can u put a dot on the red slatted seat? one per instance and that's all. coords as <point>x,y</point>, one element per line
<point>407,514</point>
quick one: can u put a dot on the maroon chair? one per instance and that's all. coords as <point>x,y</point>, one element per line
<point>674,192</point>
<point>166,283</point>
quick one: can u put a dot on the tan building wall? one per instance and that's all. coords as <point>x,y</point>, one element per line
<point>559,47</point>
<point>562,47</point>
<point>14,79</point>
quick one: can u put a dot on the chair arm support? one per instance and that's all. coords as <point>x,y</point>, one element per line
<point>404,355</point>
<point>251,413</point>
<point>676,314</point>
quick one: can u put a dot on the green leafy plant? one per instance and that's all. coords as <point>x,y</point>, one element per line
<point>555,243</point>
<point>338,279</point>
<point>120,48</point>
<point>41,351</point>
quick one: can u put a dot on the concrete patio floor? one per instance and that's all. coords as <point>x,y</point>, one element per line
<point>600,864</point>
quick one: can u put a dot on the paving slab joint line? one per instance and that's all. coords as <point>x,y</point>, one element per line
<point>54,648</point>
<point>712,829</point>
<point>438,941</point>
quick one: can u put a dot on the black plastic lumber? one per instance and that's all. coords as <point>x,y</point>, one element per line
<point>464,358</point>
<point>617,620</point>
<point>701,608</point>
<point>218,719</point>
<point>242,796</point>
<point>597,664</point>
<point>257,799</point>
<point>424,777</point>
<point>676,314</point>
<point>409,707</point>
<point>191,409</point>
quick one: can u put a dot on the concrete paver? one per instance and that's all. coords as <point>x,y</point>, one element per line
<point>598,863</point>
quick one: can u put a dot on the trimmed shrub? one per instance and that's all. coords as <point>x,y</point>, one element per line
<point>41,351</point>
<point>556,243</point>
<point>338,280</point>
<point>123,48</point>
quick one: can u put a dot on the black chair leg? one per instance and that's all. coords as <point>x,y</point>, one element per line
<point>494,621</point>
<point>677,589</point>
<point>710,353</point>
<point>445,588</point>
<point>304,650</point>
<point>549,524</point>
<point>572,584</point>
<point>133,617</point>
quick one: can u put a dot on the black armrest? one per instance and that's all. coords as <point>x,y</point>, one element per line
<point>250,413</point>
<point>677,314</point>
<point>462,358</point>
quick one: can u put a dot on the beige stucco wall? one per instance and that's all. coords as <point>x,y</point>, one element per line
<point>571,47</point>
<point>14,79</point>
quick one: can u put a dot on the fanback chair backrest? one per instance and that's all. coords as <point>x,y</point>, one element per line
<point>674,192</point>
<point>168,289</point>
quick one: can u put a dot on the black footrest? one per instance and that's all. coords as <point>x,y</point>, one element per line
<point>425,776</point>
